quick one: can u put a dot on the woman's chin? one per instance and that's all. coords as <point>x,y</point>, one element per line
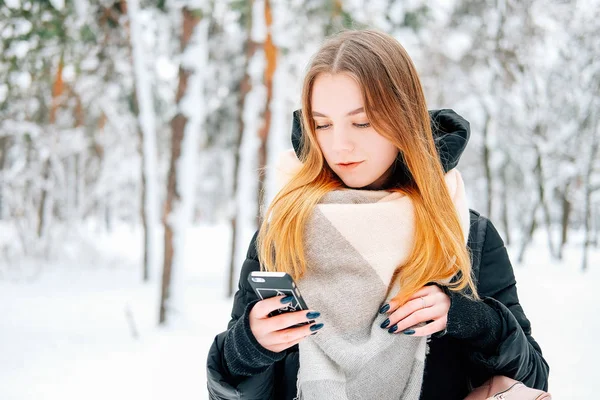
<point>356,183</point>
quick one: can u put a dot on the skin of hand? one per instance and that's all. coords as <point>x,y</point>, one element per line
<point>276,333</point>
<point>429,304</point>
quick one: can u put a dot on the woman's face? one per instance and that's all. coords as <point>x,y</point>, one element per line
<point>361,157</point>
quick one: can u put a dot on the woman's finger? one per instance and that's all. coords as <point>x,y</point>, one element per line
<point>429,329</point>
<point>424,315</point>
<point>283,346</point>
<point>423,292</point>
<point>286,320</point>
<point>411,307</point>
<point>290,335</point>
<point>263,308</point>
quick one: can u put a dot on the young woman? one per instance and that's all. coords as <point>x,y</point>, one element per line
<point>372,222</point>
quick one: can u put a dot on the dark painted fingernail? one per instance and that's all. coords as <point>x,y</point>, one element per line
<point>313,315</point>
<point>393,329</point>
<point>314,333</point>
<point>287,299</point>
<point>316,327</point>
<point>409,332</point>
<point>383,309</point>
<point>385,323</point>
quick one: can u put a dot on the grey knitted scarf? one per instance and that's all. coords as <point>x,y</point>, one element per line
<point>354,241</point>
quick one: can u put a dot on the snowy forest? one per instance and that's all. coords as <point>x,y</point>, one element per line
<point>136,138</point>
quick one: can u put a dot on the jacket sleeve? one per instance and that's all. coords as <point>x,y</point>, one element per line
<point>237,366</point>
<point>496,327</point>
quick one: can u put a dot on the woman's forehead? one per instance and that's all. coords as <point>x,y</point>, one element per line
<point>336,95</point>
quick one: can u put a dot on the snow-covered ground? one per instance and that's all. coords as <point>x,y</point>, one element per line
<point>71,332</point>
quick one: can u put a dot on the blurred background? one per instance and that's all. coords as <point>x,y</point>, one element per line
<point>135,143</point>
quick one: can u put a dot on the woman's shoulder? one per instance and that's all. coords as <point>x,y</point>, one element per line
<point>477,236</point>
<point>492,267</point>
<point>252,253</point>
<point>250,264</point>
<point>483,233</point>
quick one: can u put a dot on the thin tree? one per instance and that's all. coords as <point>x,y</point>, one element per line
<point>587,222</point>
<point>143,101</point>
<point>271,65</point>
<point>57,91</point>
<point>185,127</point>
<point>245,87</point>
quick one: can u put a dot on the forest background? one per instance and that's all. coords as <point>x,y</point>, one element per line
<point>135,143</point>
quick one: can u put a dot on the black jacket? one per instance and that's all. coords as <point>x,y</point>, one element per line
<point>482,339</point>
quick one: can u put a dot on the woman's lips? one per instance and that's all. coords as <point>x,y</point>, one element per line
<point>349,166</point>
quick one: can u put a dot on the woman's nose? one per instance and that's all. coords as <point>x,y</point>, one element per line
<point>342,142</point>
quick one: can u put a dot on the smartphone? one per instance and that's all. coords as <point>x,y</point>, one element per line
<point>271,284</point>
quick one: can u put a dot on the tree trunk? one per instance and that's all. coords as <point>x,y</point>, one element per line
<point>528,235</point>
<point>70,209</point>
<point>143,214</point>
<point>588,200</point>
<point>57,90</point>
<point>586,241</point>
<point>566,213</point>
<point>543,202</point>
<point>144,111</point>
<point>108,213</point>
<point>43,198</point>
<point>593,228</point>
<point>179,130</point>
<point>504,194</point>
<point>486,165</point>
<point>596,218</point>
<point>3,150</point>
<point>173,196</point>
<point>263,133</point>
<point>245,87</point>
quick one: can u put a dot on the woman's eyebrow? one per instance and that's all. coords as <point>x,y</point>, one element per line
<point>353,112</point>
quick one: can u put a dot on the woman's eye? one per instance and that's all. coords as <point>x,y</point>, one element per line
<point>365,125</point>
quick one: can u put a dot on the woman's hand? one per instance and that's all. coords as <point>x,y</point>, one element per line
<point>274,333</point>
<point>428,304</point>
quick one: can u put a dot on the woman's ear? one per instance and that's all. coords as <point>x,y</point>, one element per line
<point>297,136</point>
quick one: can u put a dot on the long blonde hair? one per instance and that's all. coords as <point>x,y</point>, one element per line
<point>395,106</point>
